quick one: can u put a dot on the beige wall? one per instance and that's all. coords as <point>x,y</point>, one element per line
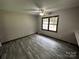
<point>17,25</point>
<point>68,23</point>
<point>1,26</point>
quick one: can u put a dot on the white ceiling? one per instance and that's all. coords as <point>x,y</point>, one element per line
<point>24,5</point>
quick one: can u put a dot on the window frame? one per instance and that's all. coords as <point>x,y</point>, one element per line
<point>49,23</point>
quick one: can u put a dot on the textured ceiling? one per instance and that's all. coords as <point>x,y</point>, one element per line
<point>23,5</point>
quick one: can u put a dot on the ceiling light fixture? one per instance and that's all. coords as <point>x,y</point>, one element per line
<point>41,14</point>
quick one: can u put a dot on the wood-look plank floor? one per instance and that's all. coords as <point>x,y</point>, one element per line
<point>38,47</point>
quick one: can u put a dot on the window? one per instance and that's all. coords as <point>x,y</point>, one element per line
<point>45,23</point>
<point>50,23</point>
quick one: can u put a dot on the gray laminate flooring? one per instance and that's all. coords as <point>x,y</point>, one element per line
<point>38,47</point>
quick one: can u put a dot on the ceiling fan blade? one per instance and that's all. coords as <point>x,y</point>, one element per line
<point>32,9</point>
<point>35,11</point>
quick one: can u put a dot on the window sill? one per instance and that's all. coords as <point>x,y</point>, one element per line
<point>49,30</point>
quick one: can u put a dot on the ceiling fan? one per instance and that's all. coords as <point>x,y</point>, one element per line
<point>38,10</point>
